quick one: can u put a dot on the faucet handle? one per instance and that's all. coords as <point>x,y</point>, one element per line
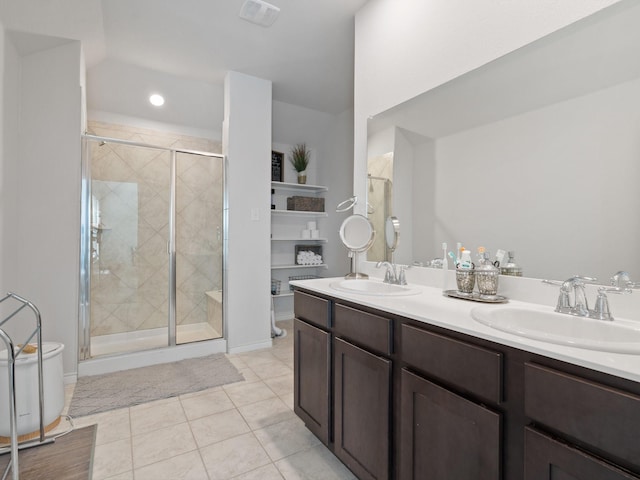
<point>575,280</point>
<point>402,279</point>
<point>579,280</point>
<point>564,303</point>
<point>618,290</point>
<point>601,310</point>
<point>622,280</point>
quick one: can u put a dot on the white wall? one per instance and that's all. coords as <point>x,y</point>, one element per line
<point>406,47</point>
<point>403,207</point>
<point>247,137</point>
<point>381,143</point>
<point>425,248</point>
<point>293,125</point>
<point>568,157</point>
<point>41,236</point>
<point>9,102</point>
<point>337,173</point>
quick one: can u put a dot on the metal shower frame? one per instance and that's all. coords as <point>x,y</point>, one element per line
<point>84,337</point>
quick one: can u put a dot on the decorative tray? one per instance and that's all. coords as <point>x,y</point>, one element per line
<point>475,297</point>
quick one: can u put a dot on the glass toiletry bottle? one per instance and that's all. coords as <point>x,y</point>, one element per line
<point>487,276</point>
<point>511,267</point>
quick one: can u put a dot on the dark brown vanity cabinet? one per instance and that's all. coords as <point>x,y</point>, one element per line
<point>362,391</point>
<point>342,381</point>
<point>401,399</point>
<point>312,370</point>
<point>362,383</point>
<point>312,365</point>
<point>444,435</point>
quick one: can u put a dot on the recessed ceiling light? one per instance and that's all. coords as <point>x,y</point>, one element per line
<point>157,100</point>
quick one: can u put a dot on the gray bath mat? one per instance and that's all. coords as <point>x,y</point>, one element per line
<point>100,393</point>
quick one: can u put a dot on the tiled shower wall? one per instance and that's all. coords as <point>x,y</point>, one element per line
<point>130,269</point>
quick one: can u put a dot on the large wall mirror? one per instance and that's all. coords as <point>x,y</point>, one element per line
<point>537,152</point>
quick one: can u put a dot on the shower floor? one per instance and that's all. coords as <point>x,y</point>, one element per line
<point>149,339</point>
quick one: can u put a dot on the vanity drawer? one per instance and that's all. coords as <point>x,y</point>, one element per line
<point>600,416</point>
<point>363,328</point>
<point>312,309</point>
<point>468,367</point>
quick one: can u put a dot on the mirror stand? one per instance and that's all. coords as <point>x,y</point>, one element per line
<point>353,273</point>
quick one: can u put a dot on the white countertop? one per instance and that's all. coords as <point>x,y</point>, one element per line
<point>431,307</point>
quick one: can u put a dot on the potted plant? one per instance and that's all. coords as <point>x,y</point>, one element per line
<point>299,158</point>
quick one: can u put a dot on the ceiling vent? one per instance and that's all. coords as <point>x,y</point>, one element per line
<point>259,12</point>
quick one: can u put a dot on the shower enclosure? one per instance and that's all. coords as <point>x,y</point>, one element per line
<point>153,222</point>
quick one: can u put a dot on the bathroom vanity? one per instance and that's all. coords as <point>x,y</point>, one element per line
<point>411,387</point>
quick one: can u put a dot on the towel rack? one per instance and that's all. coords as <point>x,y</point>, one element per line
<point>12,354</point>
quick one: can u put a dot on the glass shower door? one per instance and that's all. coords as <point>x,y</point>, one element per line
<point>129,266</point>
<point>199,247</point>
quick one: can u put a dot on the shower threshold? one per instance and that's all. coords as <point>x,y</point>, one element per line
<point>117,343</point>
<point>150,356</point>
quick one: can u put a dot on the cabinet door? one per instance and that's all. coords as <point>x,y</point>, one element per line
<point>362,413</point>
<point>311,371</point>
<point>605,418</point>
<point>548,459</point>
<point>444,436</point>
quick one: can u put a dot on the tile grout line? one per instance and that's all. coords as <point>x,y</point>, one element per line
<point>194,439</point>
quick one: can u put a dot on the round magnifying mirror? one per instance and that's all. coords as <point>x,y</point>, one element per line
<point>357,234</point>
<point>392,232</point>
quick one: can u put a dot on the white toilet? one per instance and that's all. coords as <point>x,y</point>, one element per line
<point>27,398</point>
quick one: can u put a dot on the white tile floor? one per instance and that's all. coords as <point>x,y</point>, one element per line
<point>241,431</point>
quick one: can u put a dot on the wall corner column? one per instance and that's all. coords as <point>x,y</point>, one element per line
<point>247,146</point>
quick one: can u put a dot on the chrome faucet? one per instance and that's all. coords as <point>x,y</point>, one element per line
<point>395,273</point>
<point>577,304</point>
<point>580,306</point>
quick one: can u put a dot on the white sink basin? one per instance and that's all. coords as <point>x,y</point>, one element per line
<point>619,336</point>
<point>372,287</point>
